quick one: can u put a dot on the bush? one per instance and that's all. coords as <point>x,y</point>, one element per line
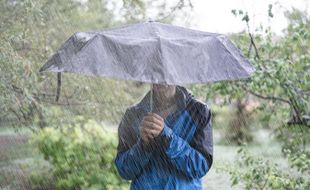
<point>81,155</point>
<point>256,173</point>
<point>296,140</point>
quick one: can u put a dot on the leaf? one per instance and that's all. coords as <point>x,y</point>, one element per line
<point>234,12</point>
<point>270,14</point>
<point>246,18</point>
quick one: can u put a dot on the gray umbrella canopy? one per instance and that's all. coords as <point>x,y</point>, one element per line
<point>152,52</point>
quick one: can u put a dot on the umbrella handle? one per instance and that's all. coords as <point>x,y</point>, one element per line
<point>58,86</point>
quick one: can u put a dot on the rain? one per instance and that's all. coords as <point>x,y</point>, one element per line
<point>133,94</point>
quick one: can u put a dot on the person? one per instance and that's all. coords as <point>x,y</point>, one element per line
<point>170,147</point>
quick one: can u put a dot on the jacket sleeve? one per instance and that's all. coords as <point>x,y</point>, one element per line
<point>130,158</point>
<point>193,159</point>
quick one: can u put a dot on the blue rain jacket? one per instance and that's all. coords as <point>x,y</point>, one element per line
<point>180,156</point>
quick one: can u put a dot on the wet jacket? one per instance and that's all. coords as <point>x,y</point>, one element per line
<point>181,155</point>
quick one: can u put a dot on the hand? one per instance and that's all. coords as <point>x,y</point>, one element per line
<point>150,127</point>
<point>153,124</point>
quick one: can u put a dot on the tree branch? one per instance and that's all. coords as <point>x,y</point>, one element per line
<point>179,5</point>
<point>266,97</point>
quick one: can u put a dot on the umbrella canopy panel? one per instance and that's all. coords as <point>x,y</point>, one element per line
<point>152,52</point>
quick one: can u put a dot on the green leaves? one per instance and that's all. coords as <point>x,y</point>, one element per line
<point>245,16</point>
<point>81,154</point>
<point>270,14</point>
<point>281,84</point>
<point>255,173</point>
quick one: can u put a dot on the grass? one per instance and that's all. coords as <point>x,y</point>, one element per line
<point>264,146</point>
<point>17,158</point>
<point>15,152</point>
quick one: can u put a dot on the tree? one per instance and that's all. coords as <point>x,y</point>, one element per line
<point>32,30</point>
<point>281,83</point>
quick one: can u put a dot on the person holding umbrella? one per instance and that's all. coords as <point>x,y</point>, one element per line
<point>169,148</point>
<point>166,143</point>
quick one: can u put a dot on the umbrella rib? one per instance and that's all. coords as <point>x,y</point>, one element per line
<point>242,66</point>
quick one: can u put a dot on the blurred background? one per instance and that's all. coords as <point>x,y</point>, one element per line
<point>65,137</point>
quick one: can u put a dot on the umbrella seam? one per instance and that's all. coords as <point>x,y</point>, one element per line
<point>242,66</point>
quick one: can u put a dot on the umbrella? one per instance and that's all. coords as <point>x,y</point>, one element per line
<point>151,52</point>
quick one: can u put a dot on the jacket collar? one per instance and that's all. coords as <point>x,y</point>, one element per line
<point>182,94</point>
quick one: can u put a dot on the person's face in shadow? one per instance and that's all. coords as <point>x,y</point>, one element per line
<point>163,92</point>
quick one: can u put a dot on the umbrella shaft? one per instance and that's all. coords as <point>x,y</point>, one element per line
<point>151,99</point>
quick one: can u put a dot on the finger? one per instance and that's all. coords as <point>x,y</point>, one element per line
<point>151,125</point>
<point>155,115</point>
<point>153,120</point>
<point>145,123</point>
<point>149,133</point>
<point>149,136</point>
<point>150,118</point>
<point>152,132</point>
<point>145,135</point>
<point>144,130</point>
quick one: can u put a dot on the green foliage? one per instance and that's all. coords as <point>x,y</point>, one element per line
<point>41,176</point>
<point>281,83</point>
<point>256,173</point>
<point>31,31</point>
<point>81,155</point>
<point>296,140</point>
<point>281,63</point>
